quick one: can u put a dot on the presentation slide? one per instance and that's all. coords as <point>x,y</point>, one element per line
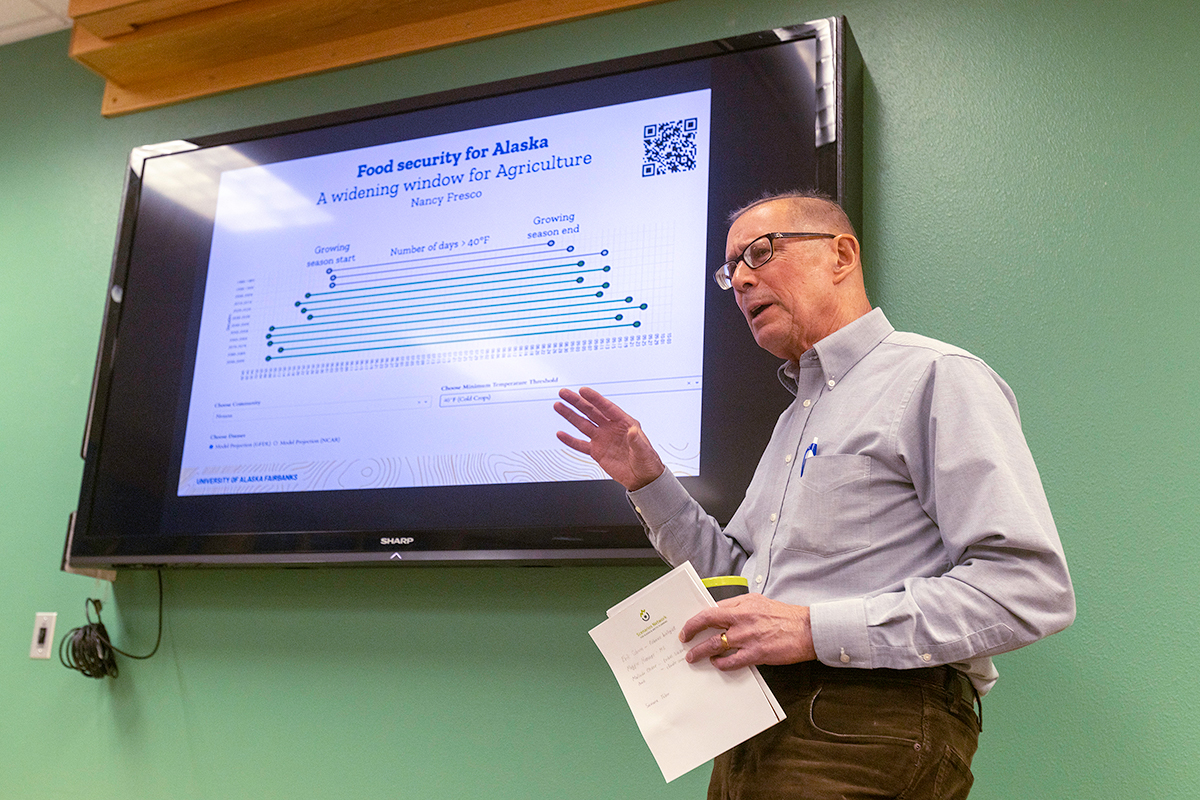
<point>404,315</point>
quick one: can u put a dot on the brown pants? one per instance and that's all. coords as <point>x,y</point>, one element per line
<point>857,734</point>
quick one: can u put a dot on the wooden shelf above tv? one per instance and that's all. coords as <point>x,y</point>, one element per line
<point>156,52</point>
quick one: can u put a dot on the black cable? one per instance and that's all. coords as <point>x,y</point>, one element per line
<point>90,651</point>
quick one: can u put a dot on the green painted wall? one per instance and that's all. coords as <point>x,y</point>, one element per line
<point>1032,193</point>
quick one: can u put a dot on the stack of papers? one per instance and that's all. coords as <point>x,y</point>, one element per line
<point>687,713</point>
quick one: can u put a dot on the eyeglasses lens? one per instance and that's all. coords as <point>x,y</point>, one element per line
<point>759,252</point>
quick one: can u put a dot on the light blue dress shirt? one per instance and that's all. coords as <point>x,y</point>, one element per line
<point>918,534</point>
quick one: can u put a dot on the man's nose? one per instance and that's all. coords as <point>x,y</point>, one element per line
<point>743,277</point>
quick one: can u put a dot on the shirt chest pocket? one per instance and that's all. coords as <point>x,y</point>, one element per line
<point>827,511</point>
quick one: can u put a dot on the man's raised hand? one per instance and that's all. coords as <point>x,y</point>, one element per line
<point>615,440</point>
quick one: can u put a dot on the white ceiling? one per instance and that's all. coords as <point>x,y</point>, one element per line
<point>24,19</point>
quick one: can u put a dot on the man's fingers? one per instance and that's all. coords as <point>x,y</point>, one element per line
<point>731,659</point>
<point>596,407</point>
<point>708,618</point>
<point>581,424</point>
<point>601,404</point>
<point>578,400</point>
<point>575,444</point>
<point>615,441</point>
<point>721,650</point>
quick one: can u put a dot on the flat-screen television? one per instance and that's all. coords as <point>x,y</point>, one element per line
<point>338,339</point>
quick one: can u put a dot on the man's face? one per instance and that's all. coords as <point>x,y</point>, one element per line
<point>789,302</point>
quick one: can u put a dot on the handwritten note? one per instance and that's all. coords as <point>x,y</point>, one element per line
<point>687,713</point>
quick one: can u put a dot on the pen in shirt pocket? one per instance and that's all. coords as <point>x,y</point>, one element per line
<point>811,450</point>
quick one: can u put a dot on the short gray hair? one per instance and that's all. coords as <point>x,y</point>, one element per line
<point>815,204</point>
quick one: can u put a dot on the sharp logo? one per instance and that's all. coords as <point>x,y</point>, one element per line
<point>402,540</point>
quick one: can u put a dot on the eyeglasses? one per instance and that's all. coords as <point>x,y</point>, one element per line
<point>759,252</point>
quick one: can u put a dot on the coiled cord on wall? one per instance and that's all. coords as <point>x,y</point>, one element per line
<point>87,649</point>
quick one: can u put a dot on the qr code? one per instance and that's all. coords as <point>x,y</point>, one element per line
<point>670,147</point>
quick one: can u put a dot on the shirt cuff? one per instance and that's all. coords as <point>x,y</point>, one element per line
<point>660,500</point>
<point>839,631</point>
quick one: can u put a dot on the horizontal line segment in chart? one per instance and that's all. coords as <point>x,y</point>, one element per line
<point>447,341</point>
<point>438,309</point>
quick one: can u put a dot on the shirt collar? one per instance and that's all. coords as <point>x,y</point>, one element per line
<point>840,350</point>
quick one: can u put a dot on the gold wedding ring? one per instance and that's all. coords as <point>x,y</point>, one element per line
<point>725,648</point>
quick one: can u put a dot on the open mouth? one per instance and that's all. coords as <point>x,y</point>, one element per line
<point>758,309</point>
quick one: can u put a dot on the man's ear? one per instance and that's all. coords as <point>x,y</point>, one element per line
<point>847,249</point>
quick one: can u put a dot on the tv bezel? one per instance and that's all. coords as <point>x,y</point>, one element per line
<point>839,174</point>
